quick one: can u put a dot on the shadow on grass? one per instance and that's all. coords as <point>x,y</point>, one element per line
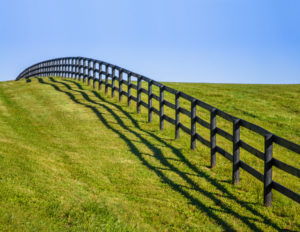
<point>158,154</point>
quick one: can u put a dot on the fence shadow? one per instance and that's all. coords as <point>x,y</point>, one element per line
<point>70,88</point>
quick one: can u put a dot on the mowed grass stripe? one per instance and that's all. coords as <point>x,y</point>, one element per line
<point>101,166</point>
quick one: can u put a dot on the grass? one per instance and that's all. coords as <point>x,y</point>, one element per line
<point>74,159</point>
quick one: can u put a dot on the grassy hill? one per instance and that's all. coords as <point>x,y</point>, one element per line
<point>73,159</point>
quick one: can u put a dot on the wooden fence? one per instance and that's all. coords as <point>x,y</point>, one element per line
<point>103,73</point>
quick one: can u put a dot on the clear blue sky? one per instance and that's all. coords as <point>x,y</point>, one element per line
<point>228,41</point>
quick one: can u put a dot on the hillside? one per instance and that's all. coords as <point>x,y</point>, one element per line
<point>73,159</point>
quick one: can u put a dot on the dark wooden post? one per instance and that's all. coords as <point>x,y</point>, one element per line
<point>76,68</point>
<point>62,68</point>
<point>89,72</point>
<point>94,74</point>
<point>193,124</point>
<point>161,107</point>
<point>129,90</point>
<point>66,69</point>
<point>100,76</point>
<point>120,85</point>
<point>150,101</point>
<point>79,69</point>
<point>106,79</point>
<point>73,68</point>
<point>236,152</point>
<point>33,72</point>
<point>177,117</point>
<point>84,70</point>
<point>268,170</point>
<point>213,125</point>
<point>113,82</point>
<point>138,102</point>
<point>58,68</point>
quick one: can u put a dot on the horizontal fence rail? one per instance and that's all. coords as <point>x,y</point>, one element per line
<point>105,74</point>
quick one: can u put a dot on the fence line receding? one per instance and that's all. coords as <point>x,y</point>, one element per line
<point>105,74</point>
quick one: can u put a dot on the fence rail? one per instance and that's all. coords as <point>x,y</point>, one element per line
<point>86,69</point>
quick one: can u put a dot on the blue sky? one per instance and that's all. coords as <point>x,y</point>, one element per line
<point>226,41</point>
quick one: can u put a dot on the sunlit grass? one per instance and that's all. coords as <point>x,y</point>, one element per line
<point>73,159</point>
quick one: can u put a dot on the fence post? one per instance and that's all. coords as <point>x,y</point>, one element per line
<point>213,124</point>
<point>177,118</point>
<point>59,68</point>
<point>120,85</point>
<point>53,68</point>
<point>89,72</point>
<point>161,107</point>
<point>193,124</point>
<point>106,79</point>
<point>81,77</point>
<point>79,69</point>
<point>66,68</point>
<point>62,68</point>
<point>138,101</point>
<point>94,75</point>
<point>129,90</point>
<point>84,70</point>
<point>268,170</point>
<point>71,68</point>
<point>236,152</point>
<point>150,101</point>
<point>74,68</point>
<point>113,82</point>
<point>50,71</point>
<point>100,76</point>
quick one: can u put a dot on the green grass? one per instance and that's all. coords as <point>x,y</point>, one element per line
<point>73,159</point>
